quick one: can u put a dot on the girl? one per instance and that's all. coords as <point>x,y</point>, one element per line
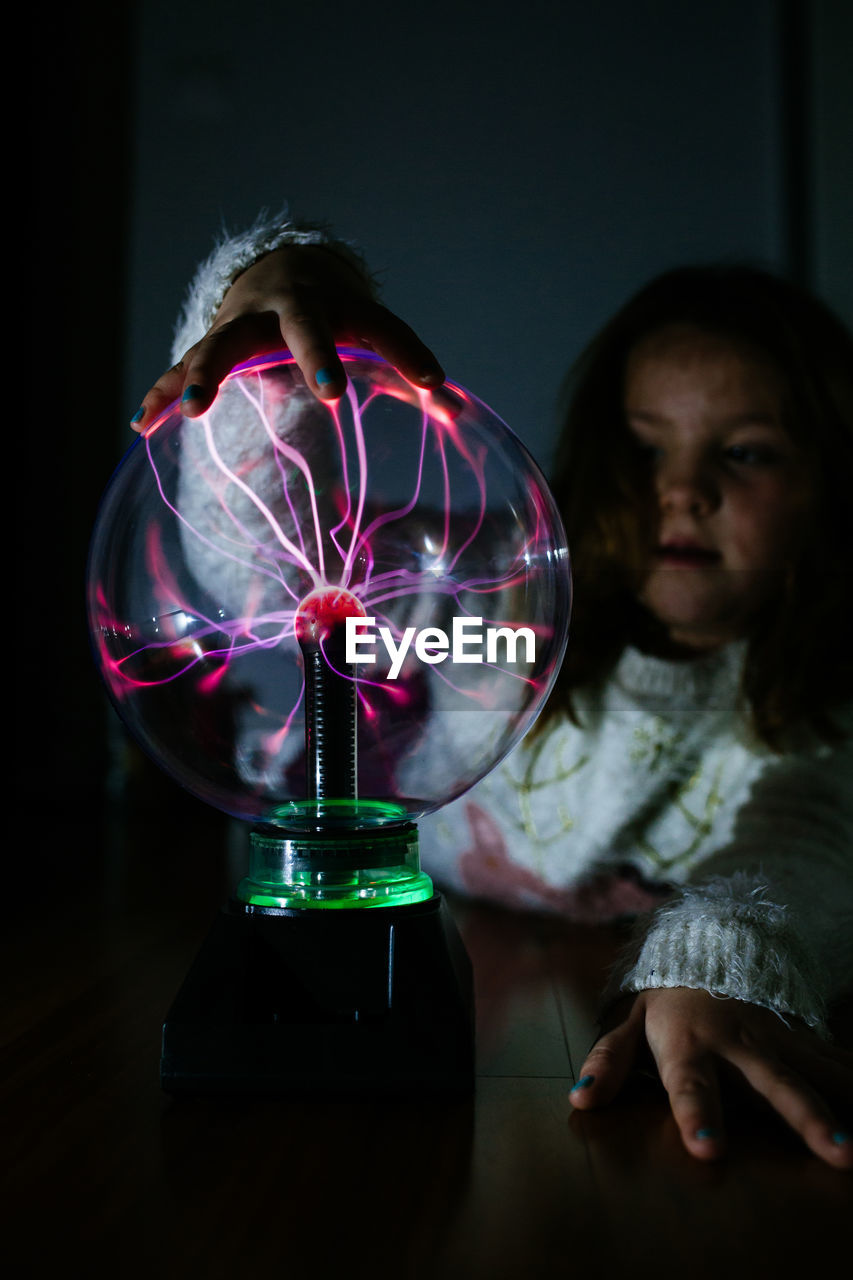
<point>693,767</point>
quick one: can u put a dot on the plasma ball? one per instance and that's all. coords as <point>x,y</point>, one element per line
<point>236,552</point>
<point>323,613</point>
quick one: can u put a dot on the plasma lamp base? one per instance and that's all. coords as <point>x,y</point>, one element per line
<point>311,1002</point>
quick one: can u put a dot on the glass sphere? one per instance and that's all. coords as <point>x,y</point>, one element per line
<point>352,609</point>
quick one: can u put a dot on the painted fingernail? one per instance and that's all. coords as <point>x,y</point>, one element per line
<point>707,1135</point>
<point>138,416</point>
<point>193,392</point>
<point>452,404</point>
<point>323,377</point>
<point>840,1138</point>
<point>583,1083</point>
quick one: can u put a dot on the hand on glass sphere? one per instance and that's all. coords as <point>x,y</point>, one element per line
<point>305,298</point>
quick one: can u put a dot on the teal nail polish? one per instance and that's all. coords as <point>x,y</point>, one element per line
<point>324,377</point>
<point>583,1083</point>
<point>192,393</point>
<point>138,416</point>
<point>840,1139</point>
<point>706,1134</point>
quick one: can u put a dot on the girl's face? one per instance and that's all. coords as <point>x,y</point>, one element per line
<point>732,487</point>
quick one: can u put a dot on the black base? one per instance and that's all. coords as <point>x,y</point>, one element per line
<point>377,1000</point>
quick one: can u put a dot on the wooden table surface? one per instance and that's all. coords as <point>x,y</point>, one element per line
<point>106,1175</point>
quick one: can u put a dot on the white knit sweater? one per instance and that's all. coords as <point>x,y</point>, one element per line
<point>737,862</point>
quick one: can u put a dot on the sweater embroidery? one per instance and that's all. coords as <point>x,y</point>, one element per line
<point>656,745</point>
<point>529,783</point>
<point>702,823</point>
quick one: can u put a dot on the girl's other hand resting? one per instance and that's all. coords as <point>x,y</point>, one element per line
<point>305,298</point>
<point>698,1041</point>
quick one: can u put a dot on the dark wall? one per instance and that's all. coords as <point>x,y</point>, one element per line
<point>828,166</point>
<point>513,170</point>
<point>75,269</point>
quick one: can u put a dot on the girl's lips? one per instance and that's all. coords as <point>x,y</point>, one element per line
<point>687,555</point>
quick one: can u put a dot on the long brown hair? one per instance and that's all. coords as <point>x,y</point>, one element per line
<point>798,664</point>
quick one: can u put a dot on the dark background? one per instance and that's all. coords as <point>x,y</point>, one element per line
<point>512,171</point>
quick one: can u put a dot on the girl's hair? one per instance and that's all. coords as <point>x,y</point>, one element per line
<point>798,663</point>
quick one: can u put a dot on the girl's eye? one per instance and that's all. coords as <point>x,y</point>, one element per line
<point>751,455</point>
<point>645,450</point>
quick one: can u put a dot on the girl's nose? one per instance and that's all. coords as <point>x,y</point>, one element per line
<point>686,485</point>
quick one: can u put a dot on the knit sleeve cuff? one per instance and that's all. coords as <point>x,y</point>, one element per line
<point>729,938</point>
<point>233,255</point>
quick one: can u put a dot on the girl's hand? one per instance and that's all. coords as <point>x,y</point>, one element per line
<point>302,297</point>
<point>696,1040</point>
